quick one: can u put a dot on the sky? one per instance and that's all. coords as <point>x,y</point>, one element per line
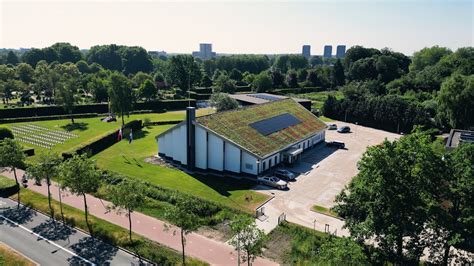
<point>265,27</point>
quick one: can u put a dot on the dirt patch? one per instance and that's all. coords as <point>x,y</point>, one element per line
<point>158,161</point>
<point>278,246</point>
<point>220,232</point>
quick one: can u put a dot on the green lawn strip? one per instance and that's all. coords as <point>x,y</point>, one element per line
<point>324,210</point>
<point>128,159</point>
<point>292,244</point>
<point>6,182</point>
<point>108,232</point>
<point>10,257</point>
<point>326,119</point>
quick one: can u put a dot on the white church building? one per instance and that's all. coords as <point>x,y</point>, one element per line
<point>248,140</point>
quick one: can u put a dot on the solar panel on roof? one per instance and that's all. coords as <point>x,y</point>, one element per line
<point>274,124</point>
<point>267,97</point>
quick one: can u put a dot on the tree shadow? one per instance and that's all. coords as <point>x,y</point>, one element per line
<point>138,134</point>
<point>22,215</point>
<point>93,250</point>
<point>81,126</point>
<point>53,231</point>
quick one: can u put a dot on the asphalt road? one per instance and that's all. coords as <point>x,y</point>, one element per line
<point>35,236</point>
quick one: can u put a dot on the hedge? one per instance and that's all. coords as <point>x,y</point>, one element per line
<point>203,90</point>
<point>5,133</point>
<point>199,96</point>
<point>43,118</point>
<point>29,152</point>
<point>100,108</point>
<point>95,146</point>
<point>8,187</point>
<point>247,88</point>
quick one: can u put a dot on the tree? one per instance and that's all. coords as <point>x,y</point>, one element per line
<point>148,90</point>
<point>67,52</point>
<point>302,74</point>
<point>312,78</point>
<point>11,155</point>
<point>45,167</point>
<point>83,67</point>
<point>262,82</point>
<point>183,216</point>
<point>235,74</point>
<point>390,199</point>
<point>453,224</point>
<point>456,101</point>
<point>107,56</point>
<point>224,84</point>
<point>363,69</point>
<point>81,177</point>
<point>135,59</point>
<point>222,102</point>
<point>12,58</point>
<point>356,53</point>
<point>337,74</point>
<point>206,81</point>
<point>65,96</point>
<point>292,79</point>
<point>183,71</point>
<point>25,73</point>
<point>247,237</point>
<point>278,80</point>
<point>341,251</point>
<point>316,61</point>
<point>98,87</point>
<point>120,93</point>
<point>428,57</point>
<point>128,196</point>
<point>33,56</point>
<point>387,68</point>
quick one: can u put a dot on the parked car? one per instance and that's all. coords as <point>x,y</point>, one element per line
<point>285,174</point>
<point>344,129</point>
<point>336,143</point>
<point>272,181</point>
<point>332,126</point>
<point>109,118</point>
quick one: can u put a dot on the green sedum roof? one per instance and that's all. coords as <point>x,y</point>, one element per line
<point>235,126</point>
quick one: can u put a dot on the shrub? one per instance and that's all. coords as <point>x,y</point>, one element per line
<point>8,187</point>
<point>5,133</point>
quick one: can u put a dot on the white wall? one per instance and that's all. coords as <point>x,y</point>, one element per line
<point>201,147</point>
<point>173,144</point>
<point>232,158</point>
<point>215,152</point>
<point>249,160</point>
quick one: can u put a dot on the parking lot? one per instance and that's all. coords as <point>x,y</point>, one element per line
<point>322,173</point>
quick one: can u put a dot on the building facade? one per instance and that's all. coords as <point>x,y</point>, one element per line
<point>340,51</point>
<point>327,51</point>
<point>306,52</point>
<point>247,141</point>
<point>205,51</point>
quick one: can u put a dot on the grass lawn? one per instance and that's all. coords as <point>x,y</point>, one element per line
<point>108,232</point>
<point>6,182</point>
<point>92,128</point>
<point>324,210</point>
<point>10,257</point>
<point>318,98</point>
<point>128,159</point>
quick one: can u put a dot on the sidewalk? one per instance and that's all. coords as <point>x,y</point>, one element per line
<point>198,246</point>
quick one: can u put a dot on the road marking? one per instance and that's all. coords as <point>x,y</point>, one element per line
<point>47,240</point>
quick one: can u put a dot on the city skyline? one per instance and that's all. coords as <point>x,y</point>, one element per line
<point>250,27</point>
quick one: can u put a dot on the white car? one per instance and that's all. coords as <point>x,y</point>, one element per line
<point>273,182</point>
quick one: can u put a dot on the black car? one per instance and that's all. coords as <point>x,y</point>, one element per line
<point>344,129</point>
<point>336,144</point>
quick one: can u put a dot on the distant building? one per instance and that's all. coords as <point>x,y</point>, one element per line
<point>306,51</point>
<point>327,51</point>
<point>259,98</point>
<point>205,51</point>
<point>457,136</point>
<point>340,51</point>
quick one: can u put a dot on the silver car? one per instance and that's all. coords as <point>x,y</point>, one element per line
<point>272,181</point>
<point>285,174</point>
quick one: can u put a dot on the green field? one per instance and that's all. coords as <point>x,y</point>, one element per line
<point>324,210</point>
<point>6,182</point>
<point>318,98</point>
<point>88,129</point>
<point>128,159</point>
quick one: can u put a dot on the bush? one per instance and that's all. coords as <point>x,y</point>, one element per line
<point>8,187</point>
<point>5,133</point>
<point>44,118</point>
<point>102,143</point>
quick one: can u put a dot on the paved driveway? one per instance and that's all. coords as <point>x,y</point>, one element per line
<point>323,173</point>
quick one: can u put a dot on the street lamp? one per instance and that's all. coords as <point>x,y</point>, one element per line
<point>314,224</point>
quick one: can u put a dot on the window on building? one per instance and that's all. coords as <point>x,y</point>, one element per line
<point>249,166</point>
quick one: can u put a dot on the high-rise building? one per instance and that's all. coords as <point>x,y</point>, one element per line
<point>327,51</point>
<point>306,51</point>
<point>340,51</point>
<point>205,51</point>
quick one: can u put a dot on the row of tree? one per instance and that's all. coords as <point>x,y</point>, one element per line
<point>412,195</point>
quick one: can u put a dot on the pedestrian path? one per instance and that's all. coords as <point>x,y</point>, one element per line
<point>198,246</point>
